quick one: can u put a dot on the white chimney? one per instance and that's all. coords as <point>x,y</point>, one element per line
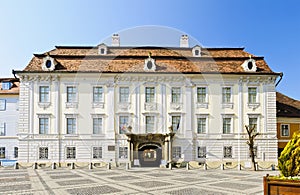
<point>184,41</point>
<point>115,40</point>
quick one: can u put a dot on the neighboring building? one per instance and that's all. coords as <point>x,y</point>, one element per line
<point>288,119</point>
<point>118,104</point>
<point>9,117</point>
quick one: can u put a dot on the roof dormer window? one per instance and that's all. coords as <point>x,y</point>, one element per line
<point>250,65</point>
<point>6,85</point>
<point>49,63</point>
<point>196,51</point>
<point>102,49</point>
<point>149,63</point>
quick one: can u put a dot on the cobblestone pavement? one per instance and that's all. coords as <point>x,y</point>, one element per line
<point>134,181</point>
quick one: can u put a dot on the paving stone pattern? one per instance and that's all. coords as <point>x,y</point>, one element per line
<point>134,181</point>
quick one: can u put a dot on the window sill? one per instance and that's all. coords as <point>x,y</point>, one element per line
<point>253,105</point>
<point>176,106</point>
<point>71,104</point>
<point>227,105</point>
<point>71,135</point>
<point>150,106</point>
<point>202,105</point>
<point>124,106</point>
<point>44,104</point>
<point>98,104</point>
<point>97,135</point>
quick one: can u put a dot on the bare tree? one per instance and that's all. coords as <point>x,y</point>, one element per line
<point>251,136</point>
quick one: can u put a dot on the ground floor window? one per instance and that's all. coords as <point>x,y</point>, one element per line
<point>285,130</point>
<point>254,150</point>
<point>43,153</point>
<point>123,152</point>
<point>227,151</point>
<point>97,152</point>
<point>202,152</point>
<point>2,152</point>
<point>16,152</point>
<point>176,152</point>
<point>71,153</point>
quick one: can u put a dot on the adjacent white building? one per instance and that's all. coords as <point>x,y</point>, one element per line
<point>9,115</point>
<point>118,104</point>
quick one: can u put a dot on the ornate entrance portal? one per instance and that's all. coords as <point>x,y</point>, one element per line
<point>149,150</point>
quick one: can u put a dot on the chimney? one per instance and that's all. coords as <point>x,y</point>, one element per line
<point>184,41</point>
<point>115,40</point>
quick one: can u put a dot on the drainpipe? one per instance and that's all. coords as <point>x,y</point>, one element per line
<point>281,75</point>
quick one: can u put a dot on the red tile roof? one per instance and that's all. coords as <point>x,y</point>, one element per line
<point>14,88</point>
<point>286,106</point>
<point>131,59</point>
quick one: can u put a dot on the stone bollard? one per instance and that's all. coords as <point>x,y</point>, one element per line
<point>256,166</point>
<point>239,167</point>
<point>187,166</point>
<point>205,166</point>
<point>35,166</point>
<point>222,166</point>
<point>73,166</point>
<point>108,166</point>
<point>127,166</point>
<point>170,165</point>
<point>17,165</point>
<point>54,165</point>
<point>91,165</point>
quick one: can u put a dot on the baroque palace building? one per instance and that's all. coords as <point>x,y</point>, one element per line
<point>145,106</point>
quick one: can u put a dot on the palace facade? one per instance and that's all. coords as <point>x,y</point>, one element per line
<point>146,106</point>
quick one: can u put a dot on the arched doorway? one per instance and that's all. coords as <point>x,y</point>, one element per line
<point>150,155</point>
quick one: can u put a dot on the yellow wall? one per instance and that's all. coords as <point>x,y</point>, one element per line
<point>294,124</point>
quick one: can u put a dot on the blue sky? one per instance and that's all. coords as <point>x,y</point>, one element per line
<point>265,28</point>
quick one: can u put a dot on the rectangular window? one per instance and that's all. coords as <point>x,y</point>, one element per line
<point>43,153</point>
<point>201,125</point>
<point>124,94</point>
<point>97,125</point>
<point>226,125</point>
<point>123,152</point>
<point>176,91</point>
<point>6,85</point>
<point>2,129</point>
<point>226,95</point>
<point>176,152</point>
<point>44,94</point>
<point>252,93</point>
<point>285,130</point>
<point>97,152</point>
<point>71,125</point>
<point>2,104</point>
<point>255,152</point>
<point>150,93</point>
<point>71,94</point>
<point>175,123</point>
<point>253,124</point>
<point>123,124</point>
<point>150,124</point>
<point>227,151</point>
<point>97,94</point>
<point>201,94</point>
<point>202,152</point>
<point>2,152</point>
<point>71,152</point>
<point>43,125</point>
<point>16,152</point>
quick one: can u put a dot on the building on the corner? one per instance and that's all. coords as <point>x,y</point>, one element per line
<point>9,115</point>
<point>288,119</point>
<point>146,105</point>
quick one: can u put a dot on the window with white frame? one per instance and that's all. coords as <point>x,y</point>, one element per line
<point>123,152</point>
<point>252,95</point>
<point>71,152</point>
<point>150,94</point>
<point>201,125</point>
<point>150,120</point>
<point>2,104</point>
<point>44,94</point>
<point>176,93</point>
<point>97,152</point>
<point>124,94</point>
<point>227,151</point>
<point>2,129</point>
<point>253,123</point>
<point>71,125</point>
<point>43,152</point>
<point>123,124</point>
<point>176,152</point>
<point>227,125</point>
<point>71,94</point>
<point>202,152</point>
<point>97,125</point>
<point>226,95</point>
<point>16,152</point>
<point>201,94</point>
<point>175,123</point>
<point>43,125</point>
<point>2,152</point>
<point>97,94</point>
<point>285,130</point>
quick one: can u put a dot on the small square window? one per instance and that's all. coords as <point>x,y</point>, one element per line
<point>43,153</point>
<point>176,152</point>
<point>71,153</point>
<point>16,152</point>
<point>97,152</point>
<point>2,152</point>
<point>123,152</point>
<point>202,152</point>
<point>2,129</point>
<point>227,151</point>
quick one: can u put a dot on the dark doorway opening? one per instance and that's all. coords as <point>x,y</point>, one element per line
<point>150,155</point>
